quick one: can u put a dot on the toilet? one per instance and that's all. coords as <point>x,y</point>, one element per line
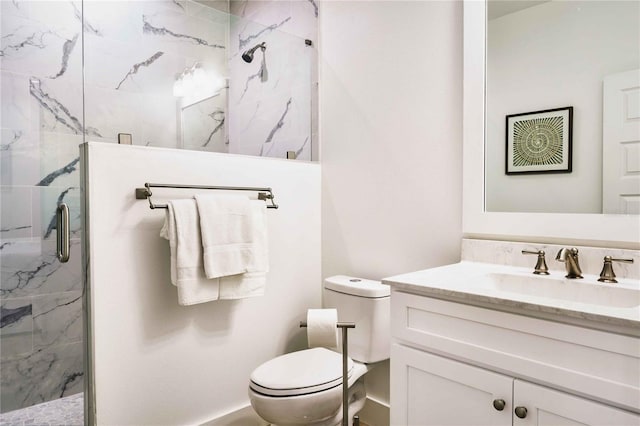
<point>305,387</point>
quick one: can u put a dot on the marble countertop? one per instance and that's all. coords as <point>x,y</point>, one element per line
<point>516,289</point>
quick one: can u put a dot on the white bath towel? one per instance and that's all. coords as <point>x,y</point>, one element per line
<point>251,284</point>
<point>229,235</point>
<point>182,229</point>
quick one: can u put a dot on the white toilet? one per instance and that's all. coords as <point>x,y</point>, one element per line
<point>305,387</point>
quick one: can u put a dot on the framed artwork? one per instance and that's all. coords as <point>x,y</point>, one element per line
<point>539,141</point>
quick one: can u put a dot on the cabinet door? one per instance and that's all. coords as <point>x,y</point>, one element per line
<point>430,390</point>
<point>547,407</point>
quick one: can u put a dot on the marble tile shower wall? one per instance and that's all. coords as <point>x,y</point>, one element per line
<point>273,100</point>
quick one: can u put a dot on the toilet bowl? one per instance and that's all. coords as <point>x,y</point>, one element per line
<point>305,387</point>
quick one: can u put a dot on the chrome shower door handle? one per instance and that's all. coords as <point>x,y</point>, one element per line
<point>62,233</point>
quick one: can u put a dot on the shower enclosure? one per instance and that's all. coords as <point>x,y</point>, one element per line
<point>169,73</point>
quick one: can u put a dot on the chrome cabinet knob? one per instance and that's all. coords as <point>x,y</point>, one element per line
<point>499,404</point>
<point>521,412</point>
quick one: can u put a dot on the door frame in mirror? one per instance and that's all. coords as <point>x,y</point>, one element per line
<point>610,230</point>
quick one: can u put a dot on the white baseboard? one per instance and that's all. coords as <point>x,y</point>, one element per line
<point>375,413</point>
<point>244,416</point>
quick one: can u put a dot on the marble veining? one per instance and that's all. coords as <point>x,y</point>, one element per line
<point>86,25</point>
<point>304,144</point>
<point>22,279</point>
<point>60,112</point>
<point>15,228</point>
<point>275,129</point>
<point>244,41</point>
<point>248,81</point>
<point>35,39</point>
<point>33,268</point>
<point>17,134</point>
<point>64,170</point>
<point>9,316</point>
<point>147,28</point>
<point>315,7</point>
<point>53,221</point>
<point>136,67</point>
<point>178,3</point>
<point>218,117</point>
<point>60,312</point>
<point>67,48</point>
<point>51,372</point>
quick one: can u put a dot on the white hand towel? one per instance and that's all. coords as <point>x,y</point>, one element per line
<point>251,284</point>
<point>168,232</point>
<point>228,235</point>
<point>182,226</point>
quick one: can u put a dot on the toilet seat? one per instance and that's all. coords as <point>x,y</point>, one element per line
<point>300,373</point>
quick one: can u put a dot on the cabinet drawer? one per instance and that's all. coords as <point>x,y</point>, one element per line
<point>600,365</point>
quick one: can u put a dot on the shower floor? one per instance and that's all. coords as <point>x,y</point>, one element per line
<point>68,411</point>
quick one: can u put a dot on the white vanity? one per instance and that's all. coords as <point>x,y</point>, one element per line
<point>479,343</point>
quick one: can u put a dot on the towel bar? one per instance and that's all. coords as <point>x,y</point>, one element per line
<point>145,193</point>
<point>345,369</point>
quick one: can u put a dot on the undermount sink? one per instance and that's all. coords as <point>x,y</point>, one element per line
<point>573,290</point>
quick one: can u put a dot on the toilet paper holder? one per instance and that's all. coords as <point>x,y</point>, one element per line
<point>345,326</point>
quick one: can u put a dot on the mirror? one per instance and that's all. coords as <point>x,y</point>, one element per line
<point>543,59</point>
<point>605,230</point>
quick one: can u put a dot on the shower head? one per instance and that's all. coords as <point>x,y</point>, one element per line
<point>247,56</point>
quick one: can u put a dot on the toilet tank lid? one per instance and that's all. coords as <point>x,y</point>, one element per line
<point>357,286</point>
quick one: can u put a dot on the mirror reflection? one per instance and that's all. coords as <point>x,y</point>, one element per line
<point>563,107</point>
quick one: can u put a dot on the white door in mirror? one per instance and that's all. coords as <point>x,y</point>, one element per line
<point>621,143</point>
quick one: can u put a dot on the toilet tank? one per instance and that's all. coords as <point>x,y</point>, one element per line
<point>367,304</point>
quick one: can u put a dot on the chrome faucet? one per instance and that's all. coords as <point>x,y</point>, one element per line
<point>570,258</point>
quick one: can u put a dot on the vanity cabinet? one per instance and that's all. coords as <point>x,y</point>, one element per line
<point>457,364</point>
<point>431,390</point>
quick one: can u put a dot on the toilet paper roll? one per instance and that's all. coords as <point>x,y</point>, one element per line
<point>321,328</point>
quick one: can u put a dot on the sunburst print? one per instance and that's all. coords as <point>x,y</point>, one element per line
<point>539,141</point>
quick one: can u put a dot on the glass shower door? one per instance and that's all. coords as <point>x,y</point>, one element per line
<point>42,124</point>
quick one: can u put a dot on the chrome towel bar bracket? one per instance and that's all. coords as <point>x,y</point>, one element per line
<point>145,193</point>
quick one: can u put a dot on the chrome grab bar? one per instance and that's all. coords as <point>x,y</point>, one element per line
<point>62,233</point>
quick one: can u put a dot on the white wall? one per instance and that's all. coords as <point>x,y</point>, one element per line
<point>156,362</point>
<point>391,111</point>
<point>532,67</point>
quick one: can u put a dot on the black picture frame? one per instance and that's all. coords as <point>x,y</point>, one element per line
<point>539,141</point>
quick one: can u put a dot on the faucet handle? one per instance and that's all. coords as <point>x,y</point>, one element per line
<point>607,275</point>
<point>541,264</point>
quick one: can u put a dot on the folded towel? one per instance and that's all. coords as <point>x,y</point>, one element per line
<point>251,284</point>
<point>168,232</point>
<point>182,227</point>
<point>228,235</point>
<point>242,286</point>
